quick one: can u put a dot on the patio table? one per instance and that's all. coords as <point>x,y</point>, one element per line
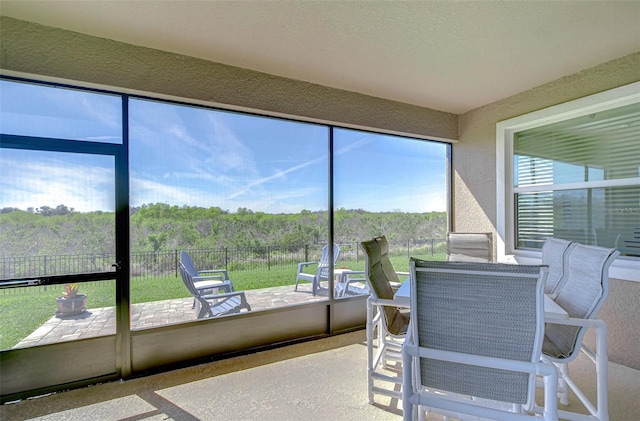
<point>552,311</point>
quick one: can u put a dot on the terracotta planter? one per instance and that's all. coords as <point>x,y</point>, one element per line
<point>71,306</point>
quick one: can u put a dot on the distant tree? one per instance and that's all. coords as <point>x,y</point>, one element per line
<point>63,210</point>
<point>49,211</point>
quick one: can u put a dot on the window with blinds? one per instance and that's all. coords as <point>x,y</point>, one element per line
<point>579,179</point>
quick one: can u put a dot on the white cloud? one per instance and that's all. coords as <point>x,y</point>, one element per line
<point>40,179</point>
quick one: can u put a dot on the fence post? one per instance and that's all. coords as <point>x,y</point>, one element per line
<point>175,261</point>
<point>226,258</point>
<point>432,246</point>
<point>408,250</point>
<point>268,258</point>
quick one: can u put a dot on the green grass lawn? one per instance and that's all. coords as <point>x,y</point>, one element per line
<point>25,309</point>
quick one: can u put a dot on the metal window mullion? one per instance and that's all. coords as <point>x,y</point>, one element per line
<point>123,249</point>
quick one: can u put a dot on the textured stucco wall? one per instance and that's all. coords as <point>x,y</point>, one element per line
<point>40,50</point>
<point>474,181</point>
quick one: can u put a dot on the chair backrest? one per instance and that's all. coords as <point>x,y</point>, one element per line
<point>469,247</point>
<point>380,274</point>
<point>187,279</point>
<point>583,289</point>
<point>482,309</point>
<point>553,256</point>
<point>186,260</point>
<point>323,263</point>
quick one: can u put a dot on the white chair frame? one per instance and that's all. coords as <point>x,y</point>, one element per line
<point>416,395</point>
<point>599,356</point>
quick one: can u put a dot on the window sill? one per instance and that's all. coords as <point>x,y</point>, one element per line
<point>625,268</point>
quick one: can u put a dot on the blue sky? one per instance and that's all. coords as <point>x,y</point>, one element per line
<point>183,155</point>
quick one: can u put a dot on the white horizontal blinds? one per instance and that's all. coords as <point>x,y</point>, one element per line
<point>579,179</point>
<point>531,170</point>
<point>601,146</point>
<point>534,218</point>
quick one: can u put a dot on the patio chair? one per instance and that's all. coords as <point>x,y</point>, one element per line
<point>383,315</point>
<point>469,247</point>
<point>322,270</point>
<point>473,347</point>
<point>554,251</point>
<point>582,292</point>
<point>207,282</point>
<point>214,305</point>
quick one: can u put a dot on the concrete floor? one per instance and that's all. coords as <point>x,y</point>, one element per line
<point>319,380</point>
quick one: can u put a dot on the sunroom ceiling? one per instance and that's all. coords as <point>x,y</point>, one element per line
<point>452,56</point>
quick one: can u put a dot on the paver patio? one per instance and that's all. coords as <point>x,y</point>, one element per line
<point>102,321</point>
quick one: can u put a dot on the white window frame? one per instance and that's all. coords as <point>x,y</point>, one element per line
<point>622,268</point>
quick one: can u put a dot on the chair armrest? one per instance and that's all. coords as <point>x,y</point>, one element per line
<point>222,272</point>
<point>573,321</point>
<point>303,264</point>
<point>383,302</point>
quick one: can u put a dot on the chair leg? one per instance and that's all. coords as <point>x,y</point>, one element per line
<point>563,389</point>
<point>370,329</point>
<point>599,411</point>
<point>408,409</point>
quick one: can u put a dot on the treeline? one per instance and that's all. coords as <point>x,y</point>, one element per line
<point>158,227</point>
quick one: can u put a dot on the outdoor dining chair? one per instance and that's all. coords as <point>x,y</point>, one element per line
<point>213,305</point>
<point>474,343</point>
<point>209,281</point>
<point>383,315</point>
<point>322,270</point>
<point>581,292</point>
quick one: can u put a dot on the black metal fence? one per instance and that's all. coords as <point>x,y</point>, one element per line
<point>164,263</point>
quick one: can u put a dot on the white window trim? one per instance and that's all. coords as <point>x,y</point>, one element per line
<point>628,269</point>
